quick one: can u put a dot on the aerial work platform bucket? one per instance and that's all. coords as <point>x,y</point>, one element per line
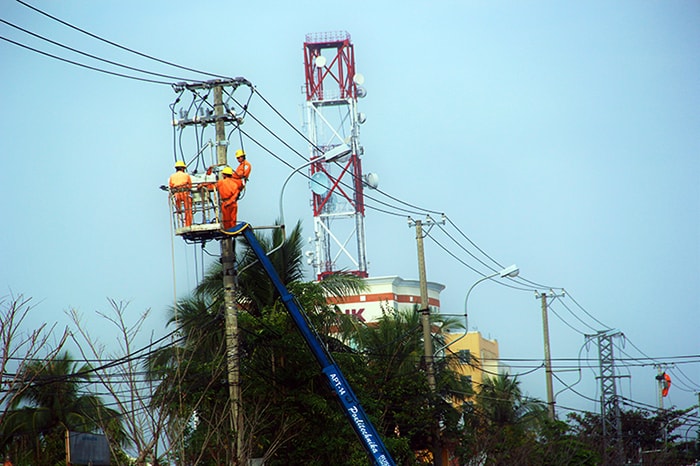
<point>205,210</point>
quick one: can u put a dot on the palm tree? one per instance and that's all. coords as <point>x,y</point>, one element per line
<point>273,356</point>
<point>505,423</point>
<point>53,403</point>
<point>256,291</point>
<point>501,399</point>
<point>395,380</point>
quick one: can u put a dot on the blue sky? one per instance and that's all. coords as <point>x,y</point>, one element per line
<point>559,136</point>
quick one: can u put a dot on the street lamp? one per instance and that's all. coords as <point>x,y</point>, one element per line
<point>330,155</point>
<point>509,272</point>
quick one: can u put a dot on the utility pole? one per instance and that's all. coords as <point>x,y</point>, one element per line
<point>427,335</point>
<point>660,386</point>
<point>424,307</point>
<point>217,115</point>
<point>660,389</point>
<point>547,353</point>
<point>228,263</point>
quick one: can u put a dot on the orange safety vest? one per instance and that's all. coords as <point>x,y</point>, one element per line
<point>666,385</point>
<point>181,183</point>
<point>228,192</point>
<point>242,172</point>
<point>180,179</point>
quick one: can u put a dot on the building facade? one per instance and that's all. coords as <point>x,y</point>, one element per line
<point>391,292</point>
<point>478,356</point>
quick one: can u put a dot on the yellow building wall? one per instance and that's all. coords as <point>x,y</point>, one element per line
<point>484,356</point>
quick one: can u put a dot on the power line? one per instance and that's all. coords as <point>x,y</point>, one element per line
<point>394,206</point>
<point>568,295</point>
<point>82,65</point>
<point>464,263</point>
<point>88,54</point>
<point>565,322</point>
<point>575,316</point>
<point>94,36</point>
<point>491,268</point>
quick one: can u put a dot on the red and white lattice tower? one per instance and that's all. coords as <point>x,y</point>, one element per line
<point>332,89</point>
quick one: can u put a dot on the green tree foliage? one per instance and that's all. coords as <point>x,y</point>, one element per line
<point>412,417</point>
<point>503,426</point>
<point>557,444</point>
<point>51,403</point>
<point>291,415</point>
<point>506,427</point>
<point>648,437</point>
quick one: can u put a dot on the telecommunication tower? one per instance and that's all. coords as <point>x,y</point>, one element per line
<point>332,119</point>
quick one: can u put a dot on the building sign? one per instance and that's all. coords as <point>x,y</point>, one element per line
<point>88,449</point>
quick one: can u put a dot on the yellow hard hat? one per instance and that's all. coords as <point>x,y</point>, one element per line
<point>180,164</point>
<point>240,153</point>
<point>227,171</point>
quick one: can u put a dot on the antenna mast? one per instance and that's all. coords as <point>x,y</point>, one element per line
<point>332,89</point>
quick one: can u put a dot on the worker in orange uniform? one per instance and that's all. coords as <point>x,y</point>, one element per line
<point>229,189</point>
<point>180,185</point>
<point>243,170</point>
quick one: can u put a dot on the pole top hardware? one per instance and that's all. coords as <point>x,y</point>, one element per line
<point>210,84</point>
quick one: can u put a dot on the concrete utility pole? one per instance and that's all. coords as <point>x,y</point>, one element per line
<point>660,389</point>
<point>547,353</point>
<point>427,334</point>
<point>660,386</point>
<point>217,116</point>
<point>228,263</point>
<point>424,308</point>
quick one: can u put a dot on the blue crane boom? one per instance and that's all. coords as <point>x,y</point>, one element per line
<point>363,427</point>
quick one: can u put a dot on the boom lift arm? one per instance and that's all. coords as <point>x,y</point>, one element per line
<point>351,405</point>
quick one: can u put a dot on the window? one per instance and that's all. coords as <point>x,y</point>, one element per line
<point>465,356</point>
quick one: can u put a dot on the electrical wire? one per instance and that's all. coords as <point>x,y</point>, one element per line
<point>553,311</point>
<point>469,240</point>
<point>580,374</point>
<point>95,36</point>
<point>82,65</point>
<point>392,206</point>
<point>695,385</point>
<point>454,256</point>
<point>572,313</point>
<point>58,44</point>
<point>266,101</point>
<point>569,295</point>
<point>570,388</point>
<point>474,269</point>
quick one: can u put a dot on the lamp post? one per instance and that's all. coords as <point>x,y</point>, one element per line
<point>231,309</point>
<point>330,155</point>
<point>509,272</point>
